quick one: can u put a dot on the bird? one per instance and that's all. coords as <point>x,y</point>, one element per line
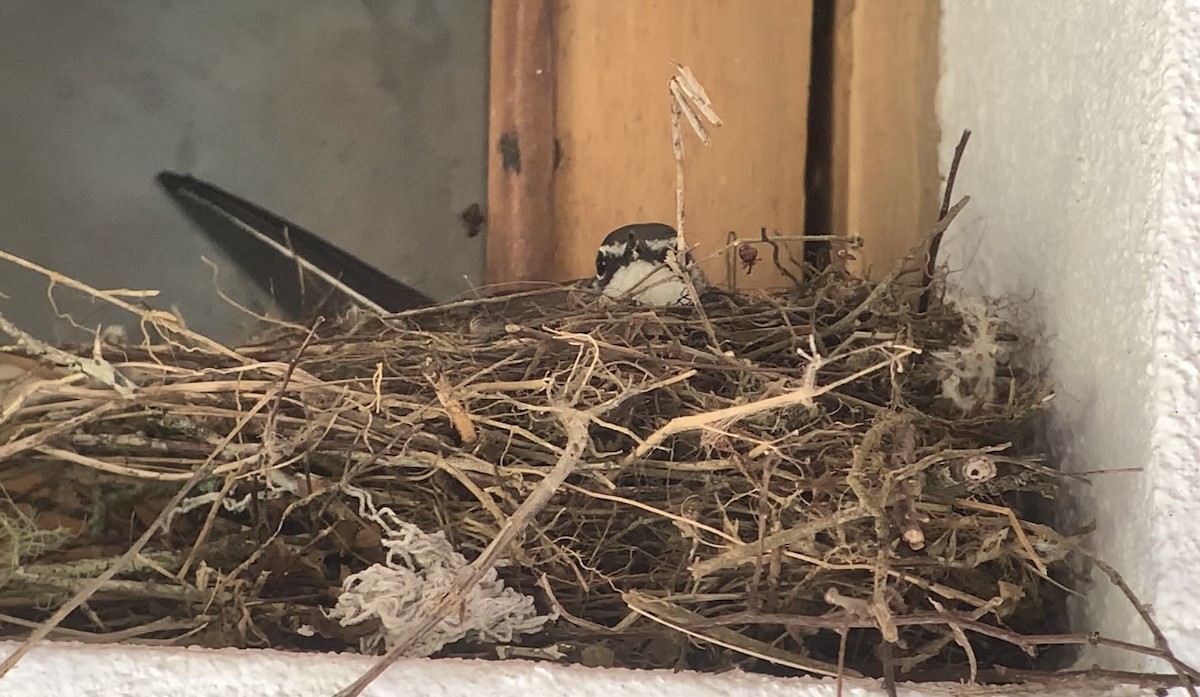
<point>269,248</point>
<point>633,263</point>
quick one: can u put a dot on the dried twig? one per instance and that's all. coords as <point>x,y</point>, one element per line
<point>688,97</point>
<point>801,396</point>
<point>575,425</point>
<point>1027,642</point>
<point>264,454</point>
<point>935,241</point>
<point>1015,524</point>
<point>1186,673</point>
<point>302,264</point>
<point>164,321</point>
<point>125,559</point>
<point>777,261</point>
<point>681,620</point>
<point>96,368</point>
<point>455,409</point>
<point>897,270</point>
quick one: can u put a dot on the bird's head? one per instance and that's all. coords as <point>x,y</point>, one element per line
<point>634,262</point>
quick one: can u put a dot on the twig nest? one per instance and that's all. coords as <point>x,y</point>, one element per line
<point>738,471</point>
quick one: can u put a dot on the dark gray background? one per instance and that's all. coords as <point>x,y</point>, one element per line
<point>362,121</point>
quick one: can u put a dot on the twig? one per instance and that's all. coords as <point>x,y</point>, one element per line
<point>747,552</point>
<point>37,438</point>
<point>544,584</point>
<point>779,262</point>
<point>575,425</point>
<point>889,665</point>
<point>1015,524</point>
<point>551,289</point>
<point>158,318</point>
<point>960,638</point>
<point>1185,672</point>
<point>682,273</point>
<point>882,287</point>
<point>841,661</point>
<point>266,319</point>
<point>130,554</point>
<point>460,418</point>
<point>264,452</point>
<point>802,395</point>
<point>95,368</point>
<point>288,253</point>
<point>1007,675</point>
<point>1026,642</point>
<point>953,174</point>
<point>124,635</point>
<point>681,620</point>
<point>935,242</point>
<point>687,97</point>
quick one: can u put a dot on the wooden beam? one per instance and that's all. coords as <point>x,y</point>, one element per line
<point>521,150</point>
<point>614,60</point>
<point>885,131</point>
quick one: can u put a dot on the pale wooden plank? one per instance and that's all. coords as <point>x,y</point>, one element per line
<point>885,169</point>
<point>613,61</point>
<point>520,211</point>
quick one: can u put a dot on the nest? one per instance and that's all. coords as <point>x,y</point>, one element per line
<point>547,475</point>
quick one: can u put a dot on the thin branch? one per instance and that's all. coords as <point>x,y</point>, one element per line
<point>935,242</point>
<point>1185,672</point>
<point>130,554</point>
<point>95,368</point>
<point>882,287</point>
<point>163,320</point>
<point>264,452</point>
<point>575,424</point>
<point>779,262</point>
<point>802,395</point>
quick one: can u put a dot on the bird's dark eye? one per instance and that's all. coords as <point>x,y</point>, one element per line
<point>601,265</point>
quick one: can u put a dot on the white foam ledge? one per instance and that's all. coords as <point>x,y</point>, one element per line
<point>61,669</point>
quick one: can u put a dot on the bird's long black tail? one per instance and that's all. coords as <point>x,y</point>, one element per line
<point>278,253</point>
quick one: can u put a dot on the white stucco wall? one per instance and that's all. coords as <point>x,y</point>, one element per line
<point>1082,172</point>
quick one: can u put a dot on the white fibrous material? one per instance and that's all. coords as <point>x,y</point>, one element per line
<point>969,369</point>
<point>420,567</point>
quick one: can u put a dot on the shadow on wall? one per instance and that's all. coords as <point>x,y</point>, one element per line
<point>364,122</point>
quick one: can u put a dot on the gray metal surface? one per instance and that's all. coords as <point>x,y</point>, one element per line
<point>363,121</point>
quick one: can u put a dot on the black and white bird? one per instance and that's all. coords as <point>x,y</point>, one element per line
<point>640,262</point>
<point>635,262</point>
<point>269,248</point>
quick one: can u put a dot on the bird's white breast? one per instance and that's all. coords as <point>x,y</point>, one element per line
<point>649,283</point>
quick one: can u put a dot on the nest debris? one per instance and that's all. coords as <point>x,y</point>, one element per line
<point>815,495</point>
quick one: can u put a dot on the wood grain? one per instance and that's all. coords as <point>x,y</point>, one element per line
<point>520,211</point>
<point>613,60</point>
<point>885,130</point>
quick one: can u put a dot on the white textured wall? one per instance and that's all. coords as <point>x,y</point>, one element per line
<point>1082,170</point>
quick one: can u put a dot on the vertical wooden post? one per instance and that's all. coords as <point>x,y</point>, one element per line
<point>521,150</point>
<point>614,58</point>
<point>885,128</point>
